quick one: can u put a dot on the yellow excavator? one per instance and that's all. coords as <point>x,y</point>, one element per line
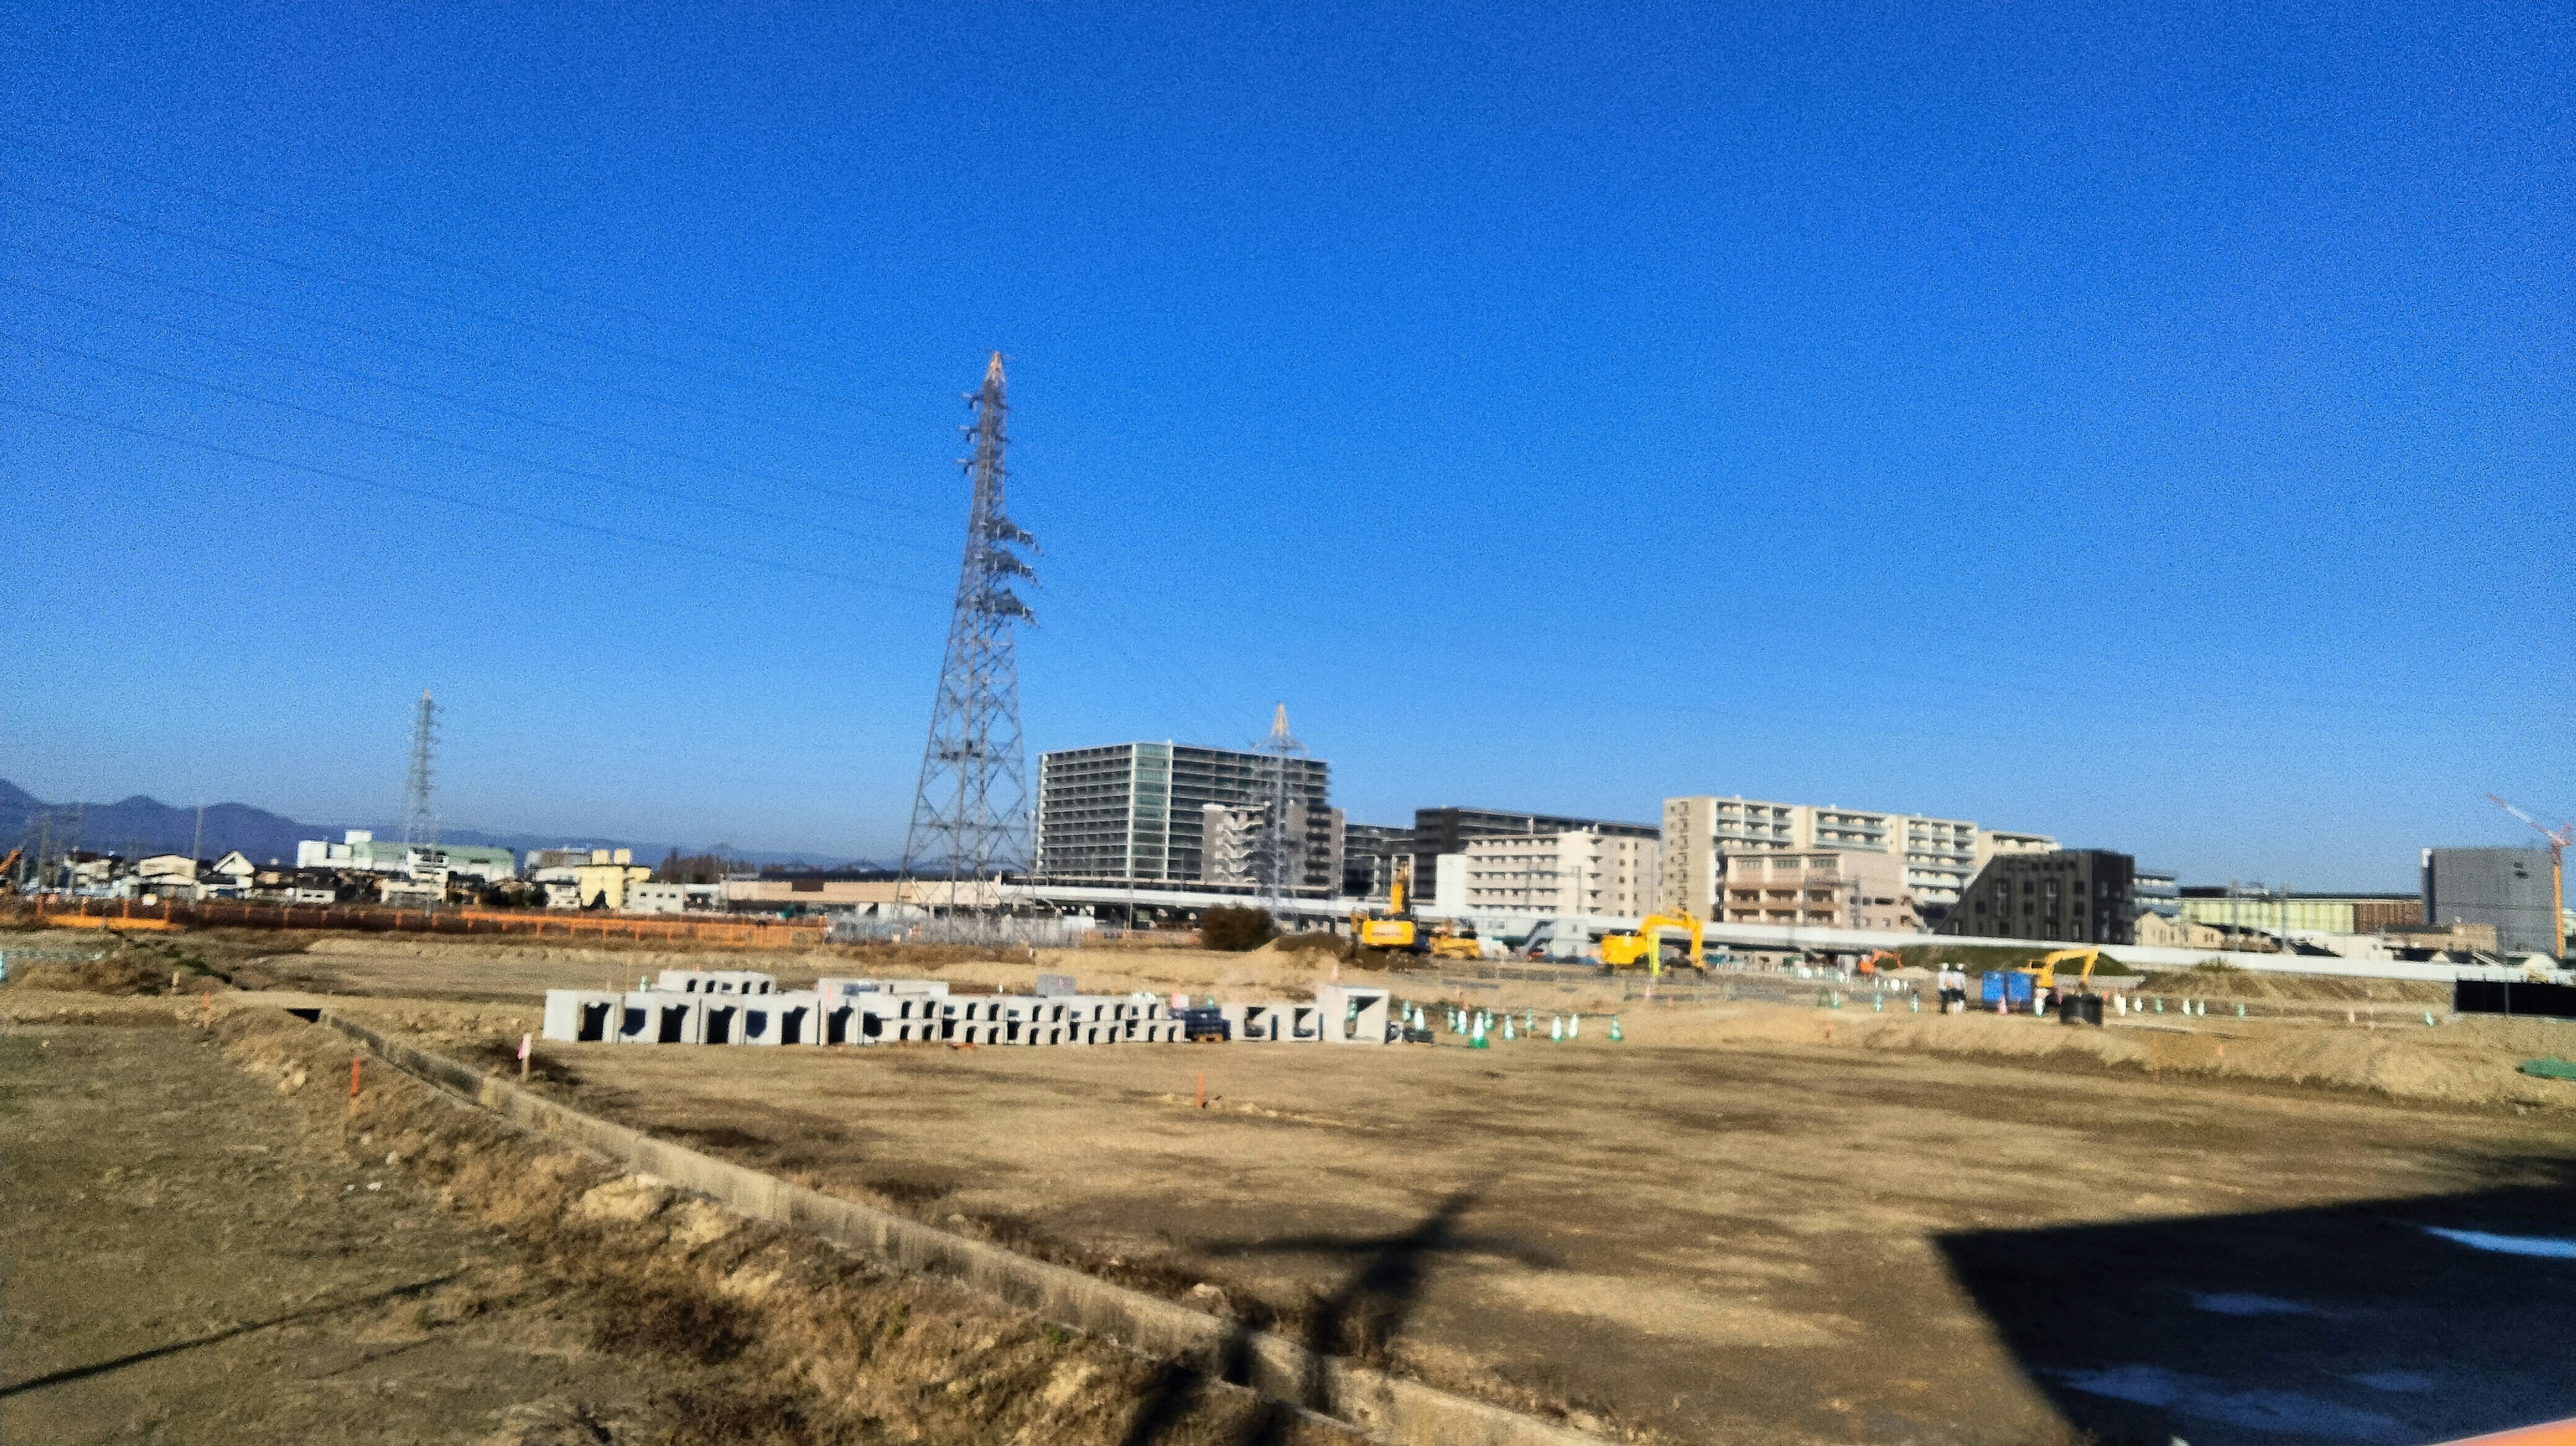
<point>1623,951</point>
<point>1394,929</point>
<point>2043,972</point>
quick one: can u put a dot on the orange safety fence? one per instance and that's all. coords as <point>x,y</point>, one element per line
<point>223,913</point>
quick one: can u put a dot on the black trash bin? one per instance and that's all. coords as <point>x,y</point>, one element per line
<point>2092,1008</point>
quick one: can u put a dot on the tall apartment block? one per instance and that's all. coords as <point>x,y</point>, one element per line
<point>1138,813</point>
<point>1940,855</point>
<point>1574,871</point>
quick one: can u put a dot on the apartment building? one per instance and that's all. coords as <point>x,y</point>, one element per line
<point>1575,871</point>
<point>1819,889</point>
<point>1940,855</point>
<point>1138,813</point>
<point>2069,896</point>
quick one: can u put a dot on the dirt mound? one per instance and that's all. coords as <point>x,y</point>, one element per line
<point>2462,1062</point>
<point>2254,984</point>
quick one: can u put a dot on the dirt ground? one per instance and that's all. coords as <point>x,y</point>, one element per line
<point>204,1245</point>
<point>1747,1221</point>
<point>174,1236</point>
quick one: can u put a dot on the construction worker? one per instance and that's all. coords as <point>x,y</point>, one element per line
<point>1953,983</point>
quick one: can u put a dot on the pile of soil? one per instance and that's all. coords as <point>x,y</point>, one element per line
<point>2468,1061</point>
<point>2252,984</point>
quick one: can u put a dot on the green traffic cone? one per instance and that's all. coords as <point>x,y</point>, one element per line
<point>2240,1011</point>
<point>1574,1027</point>
<point>1615,1035</point>
<point>1507,1029</point>
<point>1556,1025</point>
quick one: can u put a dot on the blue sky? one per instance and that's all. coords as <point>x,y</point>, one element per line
<point>2147,428</point>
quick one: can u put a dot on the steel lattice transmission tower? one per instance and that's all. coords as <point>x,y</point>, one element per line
<point>1283,837</point>
<point>970,813</point>
<point>420,822</point>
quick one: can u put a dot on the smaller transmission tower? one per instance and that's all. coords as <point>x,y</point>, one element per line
<point>1283,836</point>
<point>420,824</point>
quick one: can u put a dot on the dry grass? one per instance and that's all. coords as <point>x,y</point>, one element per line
<point>771,1336</point>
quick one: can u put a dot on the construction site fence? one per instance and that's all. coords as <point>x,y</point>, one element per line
<point>1015,931</point>
<point>218,913</point>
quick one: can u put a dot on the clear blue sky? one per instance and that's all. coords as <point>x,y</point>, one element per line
<point>2151,429</point>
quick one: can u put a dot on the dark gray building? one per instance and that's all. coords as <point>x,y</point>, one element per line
<point>1368,857</point>
<point>2507,887</point>
<point>1136,813</point>
<point>2065,896</point>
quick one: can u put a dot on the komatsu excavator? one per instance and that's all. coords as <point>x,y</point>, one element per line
<point>1620,951</point>
<point>1394,929</point>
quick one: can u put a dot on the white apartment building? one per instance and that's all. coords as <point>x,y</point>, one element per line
<point>1820,889</point>
<point>1940,854</point>
<point>1578,871</point>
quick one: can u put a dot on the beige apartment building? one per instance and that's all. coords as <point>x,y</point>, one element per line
<point>1577,871</point>
<point>1939,855</point>
<point>1819,889</point>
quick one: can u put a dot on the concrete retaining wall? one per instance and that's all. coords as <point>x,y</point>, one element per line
<point>1389,1407</point>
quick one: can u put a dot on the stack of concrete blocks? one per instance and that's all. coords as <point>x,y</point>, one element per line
<point>740,1006</point>
<point>715,981</point>
<point>881,1011</point>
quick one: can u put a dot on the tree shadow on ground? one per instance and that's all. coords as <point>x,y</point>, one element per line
<point>2348,1323</point>
<point>1359,1319</point>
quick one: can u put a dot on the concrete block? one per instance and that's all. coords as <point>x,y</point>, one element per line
<point>719,1019</point>
<point>793,1015</point>
<point>837,1022</point>
<point>637,1019</point>
<point>581,1016</point>
<point>1304,1023</point>
<point>757,1023</point>
<point>679,1019</point>
<point>1352,1013</point>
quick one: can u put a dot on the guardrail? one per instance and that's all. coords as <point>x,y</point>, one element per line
<point>638,928</point>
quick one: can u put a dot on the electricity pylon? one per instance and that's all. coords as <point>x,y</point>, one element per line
<point>970,812</point>
<point>1282,845</point>
<point>420,823</point>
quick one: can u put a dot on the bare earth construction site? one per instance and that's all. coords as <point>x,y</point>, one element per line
<point>1747,1221</point>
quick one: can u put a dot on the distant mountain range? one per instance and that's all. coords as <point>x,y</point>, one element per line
<point>140,826</point>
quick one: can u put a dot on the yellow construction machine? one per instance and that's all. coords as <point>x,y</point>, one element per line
<point>1394,929</point>
<point>2043,972</point>
<point>1622,951</point>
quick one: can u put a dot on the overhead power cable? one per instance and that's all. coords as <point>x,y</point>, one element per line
<point>573,429</point>
<point>469,448</point>
<point>469,504</point>
<point>415,344</point>
<point>417,298</point>
<point>407,253</point>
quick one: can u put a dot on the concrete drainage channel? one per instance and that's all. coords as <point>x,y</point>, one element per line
<point>1369,1401</point>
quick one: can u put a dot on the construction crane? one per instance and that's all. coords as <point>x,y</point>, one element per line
<point>2559,838</point>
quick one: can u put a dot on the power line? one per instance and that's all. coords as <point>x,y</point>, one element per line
<point>319,228</point>
<point>467,504</point>
<point>415,344</point>
<point>597,433</point>
<point>470,448</point>
<point>424,299</point>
